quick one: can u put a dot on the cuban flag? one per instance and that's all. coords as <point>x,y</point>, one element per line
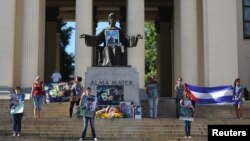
<point>218,95</point>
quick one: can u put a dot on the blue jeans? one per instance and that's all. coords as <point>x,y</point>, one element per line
<point>187,128</point>
<point>85,126</point>
<point>177,103</point>
<point>38,101</point>
<point>17,122</point>
<point>153,106</point>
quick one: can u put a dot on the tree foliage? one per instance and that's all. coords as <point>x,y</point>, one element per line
<point>66,59</point>
<point>150,51</point>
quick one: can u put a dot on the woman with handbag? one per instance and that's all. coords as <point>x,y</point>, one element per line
<point>37,94</point>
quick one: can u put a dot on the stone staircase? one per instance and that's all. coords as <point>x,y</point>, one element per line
<point>56,126</point>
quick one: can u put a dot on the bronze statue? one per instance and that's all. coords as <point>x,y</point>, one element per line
<point>113,39</point>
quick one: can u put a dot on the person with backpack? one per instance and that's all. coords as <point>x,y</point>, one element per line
<point>76,92</point>
<point>238,97</point>
<point>152,90</point>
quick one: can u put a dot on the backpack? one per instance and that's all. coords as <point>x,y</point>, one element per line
<point>246,93</point>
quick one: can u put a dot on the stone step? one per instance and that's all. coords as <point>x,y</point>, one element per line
<point>32,138</point>
<point>132,124</point>
<point>201,110</point>
<point>56,126</point>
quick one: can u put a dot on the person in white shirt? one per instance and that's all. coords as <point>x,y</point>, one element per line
<point>56,77</point>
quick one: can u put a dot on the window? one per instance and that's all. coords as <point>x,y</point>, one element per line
<point>246,19</point>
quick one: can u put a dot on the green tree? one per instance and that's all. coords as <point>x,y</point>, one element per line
<point>150,51</point>
<point>66,59</point>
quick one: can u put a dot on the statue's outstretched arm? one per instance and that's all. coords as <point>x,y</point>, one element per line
<point>93,40</point>
<point>90,40</point>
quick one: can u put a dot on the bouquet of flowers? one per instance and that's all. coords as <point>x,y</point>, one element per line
<point>109,113</point>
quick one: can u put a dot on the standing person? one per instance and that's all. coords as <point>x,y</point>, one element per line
<point>88,105</point>
<point>16,109</point>
<point>76,92</point>
<point>238,94</point>
<point>152,91</point>
<point>37,94</point>
<point>186,113</point>
<point>56,76</point>
<point>179,89</point>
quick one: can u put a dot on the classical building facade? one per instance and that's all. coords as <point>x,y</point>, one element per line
<point>204,41</point>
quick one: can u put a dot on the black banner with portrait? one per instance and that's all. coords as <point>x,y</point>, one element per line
<point>110,94</point>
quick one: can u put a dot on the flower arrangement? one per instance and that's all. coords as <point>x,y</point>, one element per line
<point>109,113</point>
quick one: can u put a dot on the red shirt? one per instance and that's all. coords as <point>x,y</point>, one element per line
<point>38,89</point>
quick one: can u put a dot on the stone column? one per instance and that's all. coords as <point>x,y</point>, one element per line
<point>135,22</point>
<point>189,41</point>
<point>84,24</point>
<point>222,56</point>
<point>95,50</point>
<point>7,39</point>
<point>177,52</point>
<point>33,41</point>
<point>18,42</point>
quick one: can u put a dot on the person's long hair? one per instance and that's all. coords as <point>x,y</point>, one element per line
<point>235,81</point>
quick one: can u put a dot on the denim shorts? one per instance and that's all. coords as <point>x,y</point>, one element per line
<point>38,101</point>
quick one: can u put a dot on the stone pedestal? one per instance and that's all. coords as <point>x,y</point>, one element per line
<point>126,78</point>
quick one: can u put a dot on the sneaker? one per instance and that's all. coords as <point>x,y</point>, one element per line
<point>95,139</point>
<point>81,139</point>
<point>14,134</point>
<point>189,136</point>
<point>185,137</point>
<point>18,134</point>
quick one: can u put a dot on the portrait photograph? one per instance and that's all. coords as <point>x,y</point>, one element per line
<point>127,109</point>
<point>112,38</point>
<point>137,112</point>
<point>89,103</point>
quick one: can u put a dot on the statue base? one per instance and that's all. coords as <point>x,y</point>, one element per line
<point>113,84</point>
